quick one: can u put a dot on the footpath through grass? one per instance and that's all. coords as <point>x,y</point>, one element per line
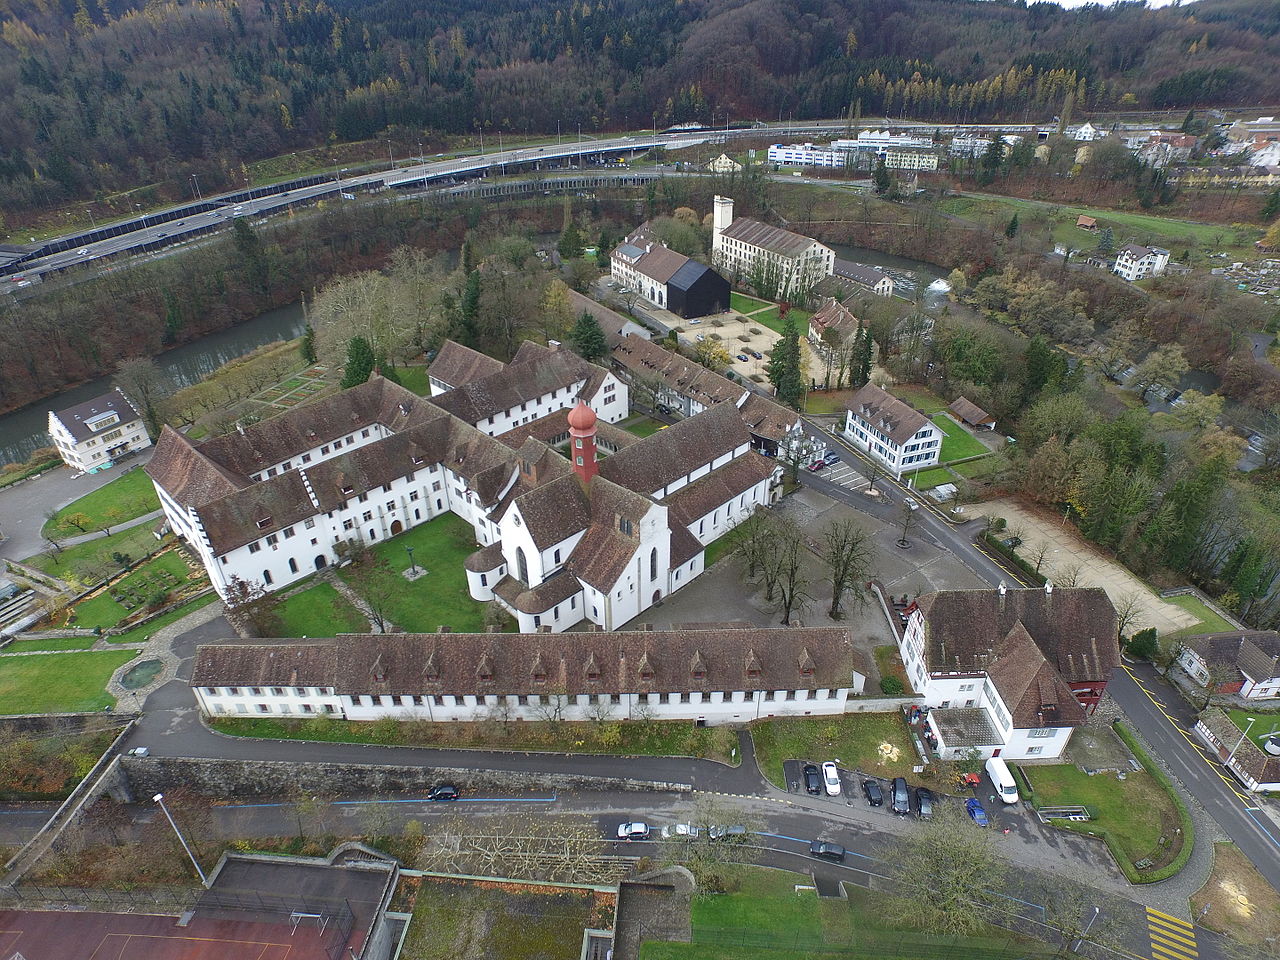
<point>127,496</point>
<point>94,560</point>
<point>643,738</point>
<point>319,611</point>
<point>763,917</point>
<point>59,682</point>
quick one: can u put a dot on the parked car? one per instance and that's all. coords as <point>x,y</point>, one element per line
<point>700,338</point>
<point>742,357</point>
<point>812,782</point>
<point>818,465</point>
<point>831,457</point>
<point>901,797</point>
<point>827,851</point>
<point>757,354</point>
<point>976,813</point>
<point>726,833</point>
<point>680,831</point>
<point>924,803</point>
<point>663,409</point>
<point>1272,745</point>
<point>695,320</point>
<point>633,830</point>
<point>443,791</point>
<point>831,777</point>
<point>910,503</point>
<point>875,796</point>
<point>1011,542</point>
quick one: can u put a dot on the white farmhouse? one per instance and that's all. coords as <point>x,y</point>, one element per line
<point>1005,672</point>
<point>893,432</point>
<point>1133,262</point>
<point>727,674</point>
<point>93,434</point>
<point>744,248</point>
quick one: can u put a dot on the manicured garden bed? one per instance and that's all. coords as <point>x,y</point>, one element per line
<point>50,643</point>
<point>140,633</point>
<point>147,585</point>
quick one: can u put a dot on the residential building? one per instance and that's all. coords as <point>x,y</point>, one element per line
<point>1259,772</point>
<point>656,375</point>
<point>966,411</point>
<point>92,435</point>
<point>972,147</point>
<point>1241,662</point>
<point>808,155</point>
<point>560,540</point>
<point>832,321</point>
<point>706,674</point>
<point>1086,223</point>
<point>747,249</point>
<point>724,164</point>
<point>910,160</point>
<point>877,141</point>
<point>867,277</point>
<point>1086,132</point>
<point>893,432</point>
<point>1006,672</point>
<point>1133,262</point>
<point>668,279</point>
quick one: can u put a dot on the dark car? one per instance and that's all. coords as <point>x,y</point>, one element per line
<point>976,813</point>
<point>924,803</point>
<point>831,457</point>
<point>818,465</point>
<point>742,357</point>
<point>757,354</point>
<point>1011,542</point>
<point>443,791</point>
<point>901,802</point>
<point>812,782</point>
<point>827,851</point>
<point>875,796</point>
<point>663,408</point>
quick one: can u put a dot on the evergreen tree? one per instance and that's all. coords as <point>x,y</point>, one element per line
<point>570,245</point>
<point>469,309</point>
<point>359,363</point>
<point>587,338</point>
<point>251,250</point>
<point>1270,206</point>
<point>1038,365</point>
<point>1188,121</point>
<point>468,257</point>
<point>784,366</point>
<point>384,367</point>
<point>864,357</point>
<point>308,345</point>
<point>881,178</point>
<point>1011,228</point>
<point>1106,241</point>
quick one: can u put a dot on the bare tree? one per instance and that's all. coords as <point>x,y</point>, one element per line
<point>1128,608</point>
<point>375,581</point>
<point>874,470</point>
<point>847,554</point>
<point>908,521</point>
<point>1068,575</point>
<point>249,602</point>
<point>751,538</point>
<point>1038,553</point>
<point>707,859</point>
<point>525,847</point>
<point>1076,913</point>
<point>146,386</point>
<point>792,581</point>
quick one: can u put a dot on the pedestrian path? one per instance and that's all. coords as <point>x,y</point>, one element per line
<point>1171,938</point>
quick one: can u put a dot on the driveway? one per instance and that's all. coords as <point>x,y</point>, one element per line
<point>23,506</point>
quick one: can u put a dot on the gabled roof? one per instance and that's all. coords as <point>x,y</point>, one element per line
<point>521,381</point>
<point>455,364</point>
<point>290,664</point>
<point>76,418</point>
<point>1031,688</point>
<point>1134,251</point>
<point>834,315</point>
<point>970,412</point>
<point>861,273</point>
<point>773,239</point>
<point>692,502</point>
<point>644,358</point>
<point>898,421</point>
<point>661,263</point>
<point>186,474</point>
<point>1253,652</point>
<point>668,455</point>
<point>767,419</point>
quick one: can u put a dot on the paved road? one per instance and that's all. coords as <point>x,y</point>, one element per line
<point>1165,719</point>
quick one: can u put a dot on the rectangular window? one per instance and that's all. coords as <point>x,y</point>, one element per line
<point>263,708</point>
<point>277,691</point>
<point>391,505</point>
<point>413,496</point>
<point>233,691</point>
<point>348,524</point>
<point>1034,751</point>
<point>368,515</point>
<point>324,450</point>
<point>364,433</point>
<point>1041,732</point>
<point>288,532</point>
<point>255,547</point>
<point>272,540</point>
<point>306,458</point>
<point>310,524</point>
<point>337,444</point>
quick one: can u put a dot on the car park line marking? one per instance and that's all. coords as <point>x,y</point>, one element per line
<point>1270,836</point>
<point>356,803</point>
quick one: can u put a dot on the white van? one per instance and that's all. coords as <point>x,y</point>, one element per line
<point>999,773</point>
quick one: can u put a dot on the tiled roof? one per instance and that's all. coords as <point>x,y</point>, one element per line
<point>554,429</point>
<point>970,412</point>
<point>688,504</point>
<point>1134,251</point>
<point>187,475</point>
<point>602,556</point>
<point>644,358</point>
<point>611,322</point>
<point>456,364</point>
<point>485,559</point>
<point>661,263</point>
<point>836,316</point>
<point>1075,628</point>
<point>255,511</point>
<point>1253,652</point>
<point>1031,688</point>
<point>632,661</point>
<point>898,421</point>
<point>767,419</point>
<point>773,239</point>
<point>684,545</point>
<point>668,455</point>
<point>860,273</point>
<point>521,381</point>
<point>1248,756</point>
<point>73,418</point>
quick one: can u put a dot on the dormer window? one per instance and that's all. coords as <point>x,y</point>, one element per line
<point>698,666</point>
<point>624,526</point>
<point>431,669</point>
<point>264,523</point>
<point>484,669</point>
<point>348,491</point>
<point>806,663</point>
<point>592,669</point>
<point>539,670</point>
<point>646,667</point>
<point>416,459</point>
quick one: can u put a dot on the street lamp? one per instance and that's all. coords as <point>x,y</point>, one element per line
<point>413,567</point>
<point>138,207</point>
<point>91,220</point>
<point>196,181</point>
<point>1080,942</point>
<point>1240,741</point>
<point>391,155</point>
<point>159,798</point>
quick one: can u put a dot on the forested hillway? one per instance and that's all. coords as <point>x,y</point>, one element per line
<point>117,102</point>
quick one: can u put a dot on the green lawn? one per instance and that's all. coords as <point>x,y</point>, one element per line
<point>930,478</point>
<point>642,426</point>
<point>92,561</point>
<point>139,634</point>
<point>922,398</point>
<point>127,496</point>
<point>855,740</point>
<point>958,442</point>
<point>441,597</point>
<point>319,611</point>
<point>59,682</point>
<point>765,918</point>
<point>1136,811</point>
<point>415,379</point>
<point>820,402</point>
<point>1210,622</point>
<point>717,549</point>
<point>50,643</point>
<point>745,304</point>
<point>645,738</point>
<point>975,468</point>
<point>1264,723</point>
<point>164,573</point>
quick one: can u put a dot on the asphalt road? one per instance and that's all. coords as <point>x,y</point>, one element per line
<point>1165,719</point>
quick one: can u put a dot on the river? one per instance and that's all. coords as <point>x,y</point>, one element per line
<point>903,271</point>
<point>24,430</point>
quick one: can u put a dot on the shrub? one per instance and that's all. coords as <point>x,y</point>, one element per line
<point>891,686</point>
<point>755,331</point>
<point>1144,644</point>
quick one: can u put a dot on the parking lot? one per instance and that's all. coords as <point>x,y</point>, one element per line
<point>843,473</point>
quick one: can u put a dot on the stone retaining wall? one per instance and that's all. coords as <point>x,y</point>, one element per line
<point>240,779</point>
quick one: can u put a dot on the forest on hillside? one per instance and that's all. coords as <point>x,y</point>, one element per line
<point>100,96</point>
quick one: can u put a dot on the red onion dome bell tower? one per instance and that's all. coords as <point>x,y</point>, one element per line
<point>582,433</point>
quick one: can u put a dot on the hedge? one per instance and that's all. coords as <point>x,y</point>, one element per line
<point>1012,558</point>
<point>1184,818</point>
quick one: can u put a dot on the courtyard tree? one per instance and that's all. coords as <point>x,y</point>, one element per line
<point>847,552</point>
<point>587,338</point>
<point>249,602</point>
<point>791,578</point>
<point>712,354</point>
<point>947,872</point>
<point>784,366</point>
<point>908,520</point>
<point>378,586</point>
<point>360,361</point>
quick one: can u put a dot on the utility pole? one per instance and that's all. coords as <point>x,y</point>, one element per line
<point>159,798</point>
<point>196,181</point>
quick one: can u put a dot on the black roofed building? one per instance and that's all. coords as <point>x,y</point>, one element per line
<point>92,435</point>
<point>667,278</point>
<point>710,673</point>
<point>695,290</point>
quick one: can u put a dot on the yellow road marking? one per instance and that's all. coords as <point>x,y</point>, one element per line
<point>1156,948</point>
<point>1153,913</point>
<point>1177,936</point>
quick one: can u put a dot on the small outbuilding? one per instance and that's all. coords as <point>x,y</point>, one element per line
<point>1086,223</point>
<point>969,412</point>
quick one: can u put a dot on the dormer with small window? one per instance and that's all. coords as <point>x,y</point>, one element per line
<point>431,668</point>
<point>698,666</point>
<point>752,665</point>
<point>591,668</point>
<point>484,669</point>
<point>806,664</point>
<point>378,671</point>
<point>263,523</point>
<point>645,667</point>
<point>539,669</point>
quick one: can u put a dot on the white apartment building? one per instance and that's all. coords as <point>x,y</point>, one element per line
<point>90,436</point>
<point>807,155</point>
<point>1008,673</point>
<point>910,160</point>
<point>1133,262</point>
<point>900,436</point>
<point>724,675</point>
<point>877,141</point>
<point>741,248</point>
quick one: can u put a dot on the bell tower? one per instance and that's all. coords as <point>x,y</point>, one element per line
<point>582,434</point>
